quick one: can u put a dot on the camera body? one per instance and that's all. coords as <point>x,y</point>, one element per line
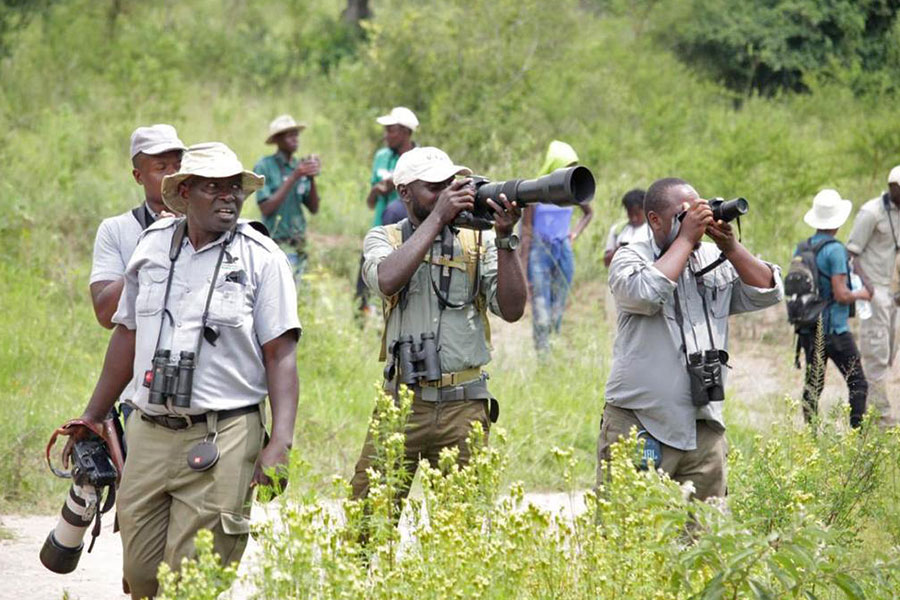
<point>705,373</point>
<point>728,210</point>
<point>170,380</point>
<point>92,470</point>
<point>416,361</point>
<point>563,187</point>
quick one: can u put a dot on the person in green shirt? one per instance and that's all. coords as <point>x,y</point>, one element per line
<point>399,126</point>
<point>290,185</point>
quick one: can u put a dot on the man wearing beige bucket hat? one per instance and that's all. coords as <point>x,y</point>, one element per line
<point>206,328</point>
<point>874,244</point>
<point>155,152</point>
<point>827,260</point>
<point>290,185</point>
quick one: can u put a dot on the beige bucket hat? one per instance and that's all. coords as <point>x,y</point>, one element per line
<point>283,123</point>
<point>829,210</point>
<point>210,159</point>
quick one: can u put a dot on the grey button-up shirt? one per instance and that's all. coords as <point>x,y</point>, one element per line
<point>873,241</point>
<point>461,329</point>
<point>649,374</point>
<point>254,301</point>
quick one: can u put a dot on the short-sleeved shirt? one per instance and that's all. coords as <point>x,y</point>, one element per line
<point>253,302</point>
<point>113,246</point>
<point>287,222</point>
<point>383,167</point>
<point>624,233</point>
<point>832,260</point>
<point>461,329</point>
<point>649,374</point>
<point>873,242</point>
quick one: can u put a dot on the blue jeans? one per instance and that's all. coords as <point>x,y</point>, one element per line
<point>551,265</point>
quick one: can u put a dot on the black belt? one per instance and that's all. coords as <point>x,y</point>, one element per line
<point>178,422</point>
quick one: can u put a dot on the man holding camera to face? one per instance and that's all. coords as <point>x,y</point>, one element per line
<point>437,282</point>
<point>674,295</point>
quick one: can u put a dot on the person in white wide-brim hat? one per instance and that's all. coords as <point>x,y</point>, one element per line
<point>832,270</point>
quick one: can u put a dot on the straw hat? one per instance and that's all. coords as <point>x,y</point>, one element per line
<point>829,210</point>
<point>210,159</point>
<point>283,123</point>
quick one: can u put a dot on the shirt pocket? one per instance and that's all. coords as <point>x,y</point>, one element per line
<point>228,306</point>
<point>151,290</point>
<point>718,297</point>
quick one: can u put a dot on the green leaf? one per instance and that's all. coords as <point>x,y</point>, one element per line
<point>759,590</point>
<point>849,586</point>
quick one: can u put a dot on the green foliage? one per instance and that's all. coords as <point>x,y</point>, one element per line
<point>779,45</point>
<point>201,578</point>
<point>637,537</point>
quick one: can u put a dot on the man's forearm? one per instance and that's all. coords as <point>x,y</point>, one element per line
<point>271,204</point>
<point>105,298</point>
<point>117,372</point>
<point>396,270</point>
<point>672,263</point>
<point>284,387</point>
<point>511,286</point>
<point>750,269</point>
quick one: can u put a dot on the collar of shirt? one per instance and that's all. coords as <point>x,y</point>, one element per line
<point>186,243</point>
<point>282,160</point>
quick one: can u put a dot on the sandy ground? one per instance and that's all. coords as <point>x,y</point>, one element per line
<point>761,377</point>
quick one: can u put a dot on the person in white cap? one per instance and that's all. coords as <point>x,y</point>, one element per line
<point>829,211</point>
<point>874,244</point>
<point>155,152</point>
<point>206,295</point>
<point>437,284</point>
<point>399,126</point>
<point>290,185</point>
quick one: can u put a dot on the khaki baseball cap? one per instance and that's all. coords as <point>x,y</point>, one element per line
<point>155,139</point>
<point>283,123</point>
<point>426,163</point>
<point>210,159</point>
<point>400,115</point>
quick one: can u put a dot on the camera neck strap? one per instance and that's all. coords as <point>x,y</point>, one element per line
<point>174,252</point>
<point>721,258</point>
<point>679,319</point>
<point>886,200</point>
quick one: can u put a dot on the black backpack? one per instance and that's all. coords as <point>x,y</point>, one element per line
<point>801,285</point>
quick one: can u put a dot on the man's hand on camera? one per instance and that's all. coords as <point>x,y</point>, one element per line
<point>456,197</point>
<point>723,235</point>
<point>698,218</point>
<point>79,432</point>
<point>506,215</point>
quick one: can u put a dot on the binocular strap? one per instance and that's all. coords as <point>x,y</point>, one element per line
<point>205,455</point>
<point>679,319</point>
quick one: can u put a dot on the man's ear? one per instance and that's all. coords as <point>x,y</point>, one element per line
<point>653,220</point>
<point>183,189</point>
<point>403,191</point>
<point>137,176</point>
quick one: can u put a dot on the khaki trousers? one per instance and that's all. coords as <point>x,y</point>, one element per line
<point>705,466</point>
<point>874,347</point>
<point>162,503</point>
<point>432,426</point>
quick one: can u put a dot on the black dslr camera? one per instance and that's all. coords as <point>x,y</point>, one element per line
<point>728,210</point>
<point>415,362</point>
<point>168,380</point>
<point>563,187</point>
<point>92,471</point>
<point>705,372</point>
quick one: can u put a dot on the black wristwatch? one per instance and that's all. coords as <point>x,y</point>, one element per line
<point>510,242</point>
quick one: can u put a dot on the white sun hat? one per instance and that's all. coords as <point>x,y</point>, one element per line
<point>155,139</point>
<point>894,176</point>
<point>400,115</point>
<point>829,210</point>
<point>210,159</point>
<point>283,123</point>
<point>426,163</point>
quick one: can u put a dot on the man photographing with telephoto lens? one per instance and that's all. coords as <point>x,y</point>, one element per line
<point>674,295</point>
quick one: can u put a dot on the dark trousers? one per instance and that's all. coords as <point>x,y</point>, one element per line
<point>841,349</point>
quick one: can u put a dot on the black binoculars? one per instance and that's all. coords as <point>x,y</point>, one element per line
<point>563,187</point>
<point>416,362</point>
<point>168,380</point>
<point>705,372</point>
